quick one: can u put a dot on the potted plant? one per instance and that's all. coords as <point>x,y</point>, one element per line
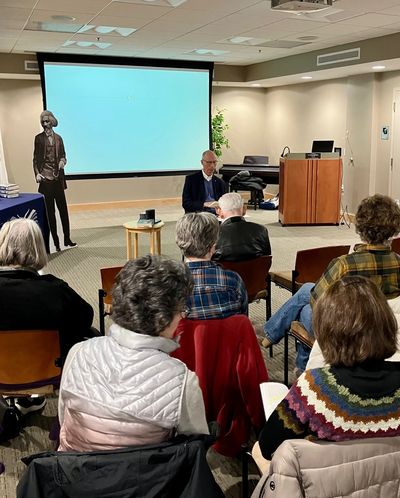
<point>218,129</point>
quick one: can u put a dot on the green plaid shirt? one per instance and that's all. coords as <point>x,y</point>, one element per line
<point>377,262</point>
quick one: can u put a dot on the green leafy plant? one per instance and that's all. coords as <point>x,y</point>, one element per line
<point>218,129</point>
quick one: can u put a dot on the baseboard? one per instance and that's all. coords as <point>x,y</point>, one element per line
<point>139,203</point>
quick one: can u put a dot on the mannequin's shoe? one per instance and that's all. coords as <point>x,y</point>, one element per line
<point>68,242</point>
<point>58,249</point>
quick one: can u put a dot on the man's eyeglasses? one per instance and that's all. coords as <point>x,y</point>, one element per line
<point>210,162</point>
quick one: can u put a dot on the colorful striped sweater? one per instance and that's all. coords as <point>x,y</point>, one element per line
<point>336,404</point>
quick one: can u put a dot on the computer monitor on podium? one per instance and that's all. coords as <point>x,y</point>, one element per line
<point>322,146</point>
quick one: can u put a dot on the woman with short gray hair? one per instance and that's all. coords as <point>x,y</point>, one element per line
<point>30,300</point>
<point>124,389</point>
<point>217,292</point>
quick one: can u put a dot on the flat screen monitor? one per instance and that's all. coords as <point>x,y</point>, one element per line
<point>122,117</point>
<point>322,146</point>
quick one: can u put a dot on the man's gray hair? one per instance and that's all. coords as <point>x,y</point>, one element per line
<point>149,292</point>
<point>196,233</point>
<point>231,202</point>
<point>52,118</point>
<point>22,244</point>
<point>206,152</point>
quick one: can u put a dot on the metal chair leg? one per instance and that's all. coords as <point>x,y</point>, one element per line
<point>245,471</point>
<point>286,359</point>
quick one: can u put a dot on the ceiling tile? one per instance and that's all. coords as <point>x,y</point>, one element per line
<point>29,4</point>
<point>86,6</point>
<point>370,20</point>
<point>366,5</point>
<point>145,11</point>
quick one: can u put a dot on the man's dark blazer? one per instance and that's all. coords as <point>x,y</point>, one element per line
<point>194,192</point>
<point>39,154</point>
<point>240,240</point>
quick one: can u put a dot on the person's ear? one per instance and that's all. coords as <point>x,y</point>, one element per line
<point>244,209</point>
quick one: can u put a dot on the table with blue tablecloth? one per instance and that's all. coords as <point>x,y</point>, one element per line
<point>26,206</point>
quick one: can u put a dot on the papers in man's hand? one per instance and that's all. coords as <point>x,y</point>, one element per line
<point>211,204</point>
<point>272,393</point>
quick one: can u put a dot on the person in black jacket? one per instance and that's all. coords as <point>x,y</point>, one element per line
<point>49,160</point>
<point>203,189</point>
<point>239,239</point>
<point>30,300</point>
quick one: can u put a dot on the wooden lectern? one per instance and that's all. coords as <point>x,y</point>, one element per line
<point>310,189</point>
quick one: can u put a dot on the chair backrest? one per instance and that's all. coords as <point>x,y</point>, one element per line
<point>108,276</point>
<point>319,468</point>
<point>227,359</point>
<point>175,468</point>
<point>311,263</point>
<point>255,160</point>
<point>396,245</point>
<point>29,359</point>
<point>254,273</point>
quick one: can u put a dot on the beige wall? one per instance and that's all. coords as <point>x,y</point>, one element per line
<point>244,112</point>
<point>348,110</point>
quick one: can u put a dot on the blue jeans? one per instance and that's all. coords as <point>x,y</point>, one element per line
<point>296,308</point>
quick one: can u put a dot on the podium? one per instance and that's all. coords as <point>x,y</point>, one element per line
<point>310,189</point>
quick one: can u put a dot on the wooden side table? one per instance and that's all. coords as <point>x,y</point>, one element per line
<point>132,228</point>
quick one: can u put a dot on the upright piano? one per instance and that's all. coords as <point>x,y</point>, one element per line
<point>267,172</point>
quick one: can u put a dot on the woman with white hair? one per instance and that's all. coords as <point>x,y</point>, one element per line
<point>33,301</point>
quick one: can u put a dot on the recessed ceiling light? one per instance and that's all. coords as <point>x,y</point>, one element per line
<point>378,67</point>
<point>206,51</point>
<point>240,39</point>
<point>306,77</point>
<point>255,84</point>
<point>308,38</point>
<point>106,30</point>
<point>86,44</point>
<point>63,18</point>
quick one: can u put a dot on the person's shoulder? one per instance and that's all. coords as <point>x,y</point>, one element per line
<point>53,281</point>
<point>257,227</point>
<point>196,174</point>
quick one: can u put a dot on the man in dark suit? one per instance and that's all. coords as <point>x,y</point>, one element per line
<point>49,160</point>
<point>239,239</point>
<point>203,189</point>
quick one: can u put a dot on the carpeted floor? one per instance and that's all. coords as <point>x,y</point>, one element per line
<point>101,242</point>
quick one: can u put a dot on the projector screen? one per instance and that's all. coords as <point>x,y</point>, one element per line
<point>123,117</point>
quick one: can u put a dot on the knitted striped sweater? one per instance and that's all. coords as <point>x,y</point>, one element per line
<point>336,404</point>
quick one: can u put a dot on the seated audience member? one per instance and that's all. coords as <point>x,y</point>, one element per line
<point>377,222</point>
<point>239,239</point>
<point>217,292</point>
<point>33,301</point>
<point>203,189</point>
<point>358,394</point>
<point>124,389</point>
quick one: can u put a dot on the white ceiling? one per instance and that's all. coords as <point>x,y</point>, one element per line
<point>164,31</point>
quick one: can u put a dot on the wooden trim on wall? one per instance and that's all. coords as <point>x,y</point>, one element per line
<point>139,203</point>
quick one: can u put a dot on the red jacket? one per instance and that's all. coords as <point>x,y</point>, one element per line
<point>227,359</point>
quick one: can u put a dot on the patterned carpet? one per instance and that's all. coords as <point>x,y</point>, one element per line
<point>105,246</point>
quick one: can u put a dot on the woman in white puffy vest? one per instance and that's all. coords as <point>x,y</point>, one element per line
<point>124,389</point>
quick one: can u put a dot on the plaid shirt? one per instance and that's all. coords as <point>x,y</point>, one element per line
<point>377,262</point>
<point>217,293</point>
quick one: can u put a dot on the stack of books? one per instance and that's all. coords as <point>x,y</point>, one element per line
<point>9,190</point>
<point>144,223</point>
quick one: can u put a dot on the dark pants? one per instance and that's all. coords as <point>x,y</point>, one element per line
<point>53,192</point>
